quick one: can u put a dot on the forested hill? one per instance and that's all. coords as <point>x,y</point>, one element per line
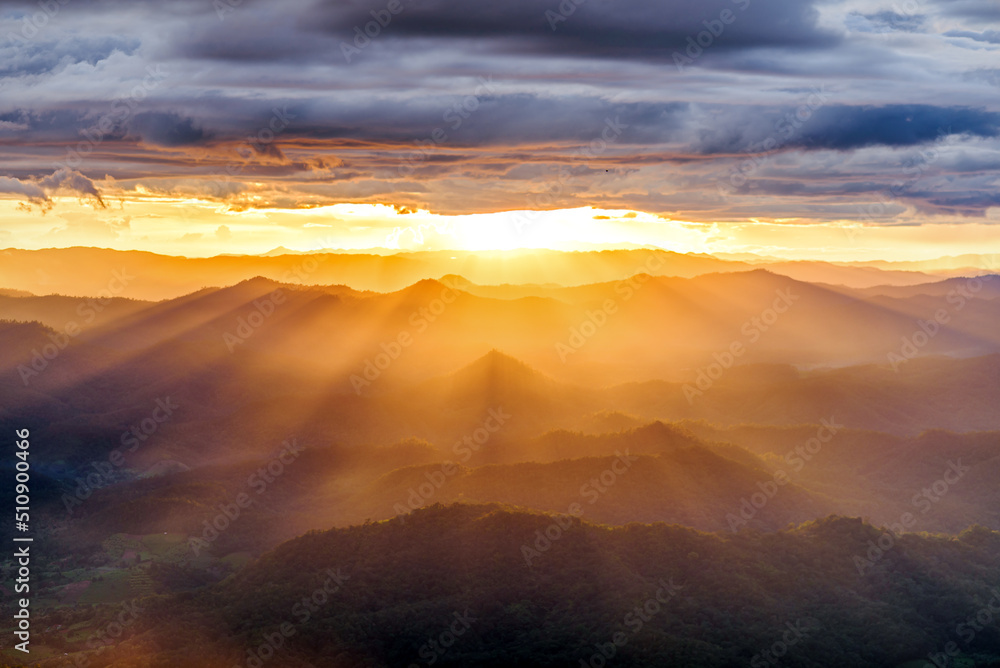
<point>452,586</point>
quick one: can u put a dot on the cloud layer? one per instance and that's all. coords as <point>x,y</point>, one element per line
<point>813,110</point>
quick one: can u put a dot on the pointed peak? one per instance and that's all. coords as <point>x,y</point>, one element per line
<point>497,356</point>
<point>256,281</point>
<point>498,364</point>
<point>456,281</point>
<point>258,285</point>
<point>430,287</point>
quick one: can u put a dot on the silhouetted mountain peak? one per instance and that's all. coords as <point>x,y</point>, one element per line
<point>660,431</point>
<point>259,282</point>
<point>497,361</point>
<point>428,289</point>
<point>457,282</point>
<point>498,371</point>
<point>251,288</point>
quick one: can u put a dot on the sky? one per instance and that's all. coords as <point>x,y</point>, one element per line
<point>841,129</point>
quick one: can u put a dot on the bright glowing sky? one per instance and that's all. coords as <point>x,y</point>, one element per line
<point>837,129</point>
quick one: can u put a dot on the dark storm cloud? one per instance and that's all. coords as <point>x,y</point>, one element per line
<point>492,120</point>
<point>259,33</point>
<point>53,126</point>
<point>604,28</point>
<point>486,119</point>
<point>108,123</point>
<point>166,129</point>
<point>643,29</point>
<point>843,128</point>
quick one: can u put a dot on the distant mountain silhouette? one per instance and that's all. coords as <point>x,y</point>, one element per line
<point>87,271</point>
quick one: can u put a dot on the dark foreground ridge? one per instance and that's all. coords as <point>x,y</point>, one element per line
<point>489,585</point>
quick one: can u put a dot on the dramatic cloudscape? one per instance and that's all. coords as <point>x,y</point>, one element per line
<point>799,128</point>
<point>490,333</point>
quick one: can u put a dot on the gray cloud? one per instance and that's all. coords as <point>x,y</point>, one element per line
<point>987,10</point>
<point>990,36</point>
<point>38,191</point>
<point>73,181</point>
<point>30,191</point>
<point>892,20</point>
<point>35,57</point>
